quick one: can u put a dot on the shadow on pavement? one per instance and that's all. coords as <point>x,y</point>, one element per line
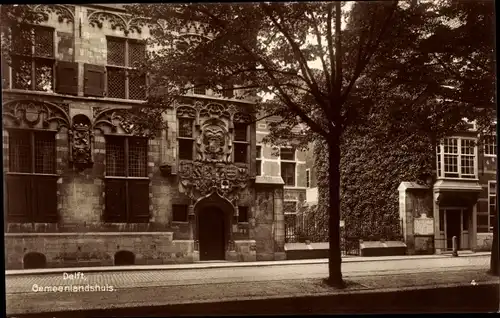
<point>469,298</point>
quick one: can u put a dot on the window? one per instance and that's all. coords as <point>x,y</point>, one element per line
<point>287,154</point>
<point>240,132</point>
<point>492,203</point>
<point>123,79</point>
<point>240,144</point>
<point>33,59</point>
<point>127,182</point>
<point>240,152</point>
<point>287,158</point>
<point>32,181</point>
<point>490,146</point>
<point>258,161</point>
<point>200,89</point>
<point>456,158</point>
<point>228,91</point>
<point>185,139</point>
<point>179,213</point>
<point>308,178</point>
<point>242,214</point>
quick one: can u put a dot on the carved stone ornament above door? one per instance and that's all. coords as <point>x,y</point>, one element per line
<point>198,179</point>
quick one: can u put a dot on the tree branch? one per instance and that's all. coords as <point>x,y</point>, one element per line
<point>313,125</point>
<point>329,39</point>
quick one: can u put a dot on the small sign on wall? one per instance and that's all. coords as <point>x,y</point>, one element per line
<point>423,225</point>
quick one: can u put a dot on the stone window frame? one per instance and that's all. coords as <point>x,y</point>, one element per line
<point>456,150</point>
<point>184,207</point>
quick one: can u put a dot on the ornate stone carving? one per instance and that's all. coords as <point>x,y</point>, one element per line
<point>186,112</point>
<point>122,118</point>
<point>215,111</point>
<point>116,21</point>
<point>213,143</point>
<point>81,142</point>
<point>240,117</point>
<point>63,12</point>
<point>198,179</point>
<point>35,114</point>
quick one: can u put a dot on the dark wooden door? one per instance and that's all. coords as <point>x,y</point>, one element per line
<point>453,227</point>
<point>211,234</point>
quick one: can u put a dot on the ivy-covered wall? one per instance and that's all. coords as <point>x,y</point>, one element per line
<point>372,167</point>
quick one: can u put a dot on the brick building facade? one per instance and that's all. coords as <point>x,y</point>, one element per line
<point>84,186</point>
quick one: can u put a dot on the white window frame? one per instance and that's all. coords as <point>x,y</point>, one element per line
<point>488,145</point>
<point>308,178</point>
<point>259,157</point>
<point>440,159</point>
<point>490,195</point>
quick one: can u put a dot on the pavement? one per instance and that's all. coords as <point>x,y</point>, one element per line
<point>227,264</point>
<point>159,287</point>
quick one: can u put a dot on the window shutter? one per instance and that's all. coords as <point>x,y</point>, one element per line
<point>18,198</point>
<point>116,209</point>
<point>94,80</point>
<point>45,191</point>
<point>5,74</point>
<point>67,78</point>
<point>138,194</point>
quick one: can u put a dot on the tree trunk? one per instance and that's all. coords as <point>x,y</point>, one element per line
<point>334,260</point>
<point>494,266</point>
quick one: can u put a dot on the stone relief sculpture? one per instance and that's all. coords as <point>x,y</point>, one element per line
<point>81,142</point>
<point>122,118</point>
<point>212,170</point>
<point>213,143</point>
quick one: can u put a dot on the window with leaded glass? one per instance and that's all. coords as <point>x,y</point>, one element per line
<point>124,80</point>
<point>31,182</point>
<point>33,58</point>
<point>240,143</point>
<point>200,89</point>
<point>457,158</point>
<point>185,138</point>
<point>127,182</point>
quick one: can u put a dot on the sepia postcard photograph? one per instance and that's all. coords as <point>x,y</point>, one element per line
<point>249,158</point>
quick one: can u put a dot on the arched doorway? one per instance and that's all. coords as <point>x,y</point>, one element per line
<point>212,233</point>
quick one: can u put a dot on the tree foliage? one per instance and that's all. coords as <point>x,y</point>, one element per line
<point>383,69</point>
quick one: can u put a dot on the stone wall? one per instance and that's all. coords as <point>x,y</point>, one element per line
<point>84,249</point>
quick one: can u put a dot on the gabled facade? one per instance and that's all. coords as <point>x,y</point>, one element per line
<point>85,186</point>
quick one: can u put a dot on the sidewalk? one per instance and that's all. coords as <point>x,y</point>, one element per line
<point>149,297</point>
<point>227,264</point>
